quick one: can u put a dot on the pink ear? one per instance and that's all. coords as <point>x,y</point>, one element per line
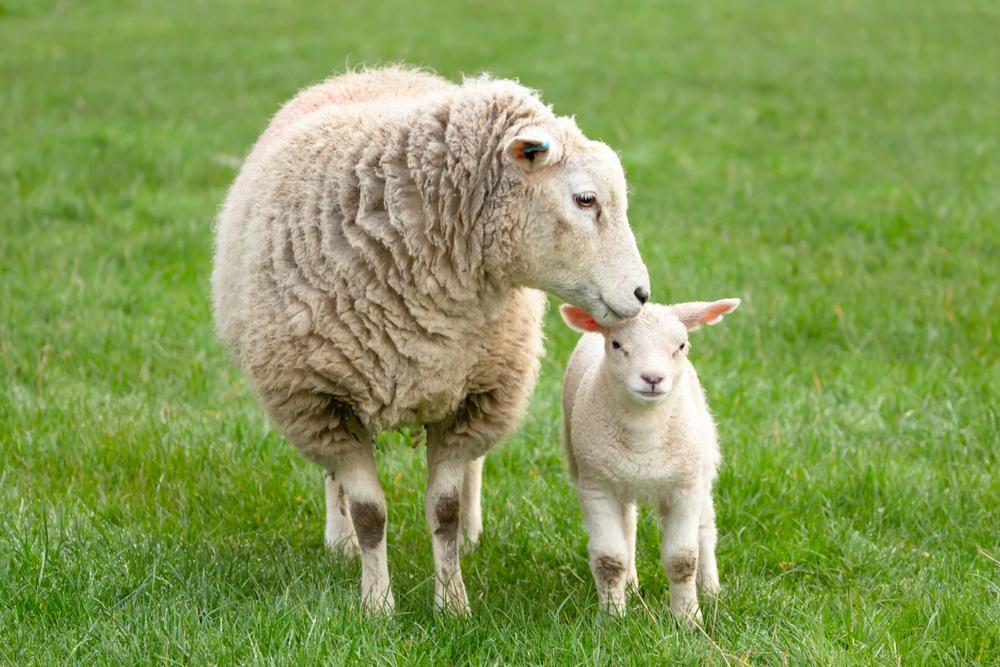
<point>580,320</point>
<point>696,313</point>
<point>718,309</point>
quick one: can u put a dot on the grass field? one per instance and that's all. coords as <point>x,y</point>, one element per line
<point>834,164</point>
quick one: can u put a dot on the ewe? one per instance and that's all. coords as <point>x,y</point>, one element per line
<point>375,266</point>
<point>636,427</point>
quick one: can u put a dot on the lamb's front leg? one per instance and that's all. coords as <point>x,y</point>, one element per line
<point>630,520</point>
<point>708,569</point>
<point>679,553</point>
<point>446,468</point>
<point>604,519</point>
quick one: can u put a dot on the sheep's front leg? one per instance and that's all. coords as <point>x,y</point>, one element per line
<point>355,469</point>
<point>472,513</point>
<point>604,519</point>
<point>679,554</point>
<point>339,526</point>
<point>446,469</point>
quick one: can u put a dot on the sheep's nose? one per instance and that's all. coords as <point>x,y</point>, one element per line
<point>653,380</point>
<point>642,294</point>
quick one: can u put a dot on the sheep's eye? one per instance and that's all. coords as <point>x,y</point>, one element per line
<point>615,344</point>
<point>586,200</point>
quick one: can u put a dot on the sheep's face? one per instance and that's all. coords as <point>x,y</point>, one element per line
<point>645,357</point>
<point>577,243</point>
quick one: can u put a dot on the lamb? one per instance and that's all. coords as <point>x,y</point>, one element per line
<point>377,266</point>
<point>636,426</point>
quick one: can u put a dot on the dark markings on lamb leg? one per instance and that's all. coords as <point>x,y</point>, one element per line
<point>682,568</point>
<point>609,570</point>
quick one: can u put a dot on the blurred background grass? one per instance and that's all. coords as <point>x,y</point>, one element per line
<point>832,163</point>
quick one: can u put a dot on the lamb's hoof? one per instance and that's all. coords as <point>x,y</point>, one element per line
<point>690,618</point>
<point>611,611</point>
<point>711,588</point>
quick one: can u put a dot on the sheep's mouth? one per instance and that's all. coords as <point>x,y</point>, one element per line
<point>650,396</point>
<point>611,316</point>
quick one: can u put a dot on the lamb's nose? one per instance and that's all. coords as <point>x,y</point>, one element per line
<point>653,380</point>
<point>642,294</point>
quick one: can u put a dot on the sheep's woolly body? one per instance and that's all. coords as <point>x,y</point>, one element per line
<point>350,269</point>
<point>374,269</point>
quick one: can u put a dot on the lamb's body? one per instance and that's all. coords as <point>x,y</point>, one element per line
<point>374,268</point>
<point>637,428</point>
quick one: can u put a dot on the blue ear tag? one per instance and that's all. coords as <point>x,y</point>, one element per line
<point>535,148</point>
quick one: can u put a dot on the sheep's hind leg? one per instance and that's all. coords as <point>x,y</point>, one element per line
<point>442,507</point>
<point>339,534</point>
<point>472,513</point>
<point>356,471</point>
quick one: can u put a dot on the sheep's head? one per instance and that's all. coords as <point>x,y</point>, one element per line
<point>645,355</point>
<point>577,243</point>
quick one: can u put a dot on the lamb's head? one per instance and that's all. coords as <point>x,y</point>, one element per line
<point>576,243</point>
<point>644,356</point>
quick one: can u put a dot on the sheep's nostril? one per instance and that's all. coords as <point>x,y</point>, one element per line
<point>642,294</point>
<point>653,380</point>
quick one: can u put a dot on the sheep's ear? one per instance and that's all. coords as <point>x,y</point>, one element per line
<point>580,320</point>
<point>532,152</point>
<point>694,314</point>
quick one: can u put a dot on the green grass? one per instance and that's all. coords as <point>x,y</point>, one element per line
<point>835,164</point>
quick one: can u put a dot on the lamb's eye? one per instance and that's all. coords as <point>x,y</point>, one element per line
<point>615,344</point>
<point>684,346</point>
<point>585,200</point>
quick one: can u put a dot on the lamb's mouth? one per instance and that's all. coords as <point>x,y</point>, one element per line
<point>650,396</point>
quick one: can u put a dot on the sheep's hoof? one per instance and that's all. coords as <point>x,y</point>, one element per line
<point>379,603</point>
<point>454,603</point>
<point>346,547</point>
<point>467,543</point>
<point>454,608</point>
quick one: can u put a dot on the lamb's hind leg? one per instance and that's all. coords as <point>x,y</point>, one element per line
<point>708,569</point>
<point>679,554</point>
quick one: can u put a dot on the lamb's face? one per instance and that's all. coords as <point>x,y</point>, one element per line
<point>645,356</point>
<point>578,243</point>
